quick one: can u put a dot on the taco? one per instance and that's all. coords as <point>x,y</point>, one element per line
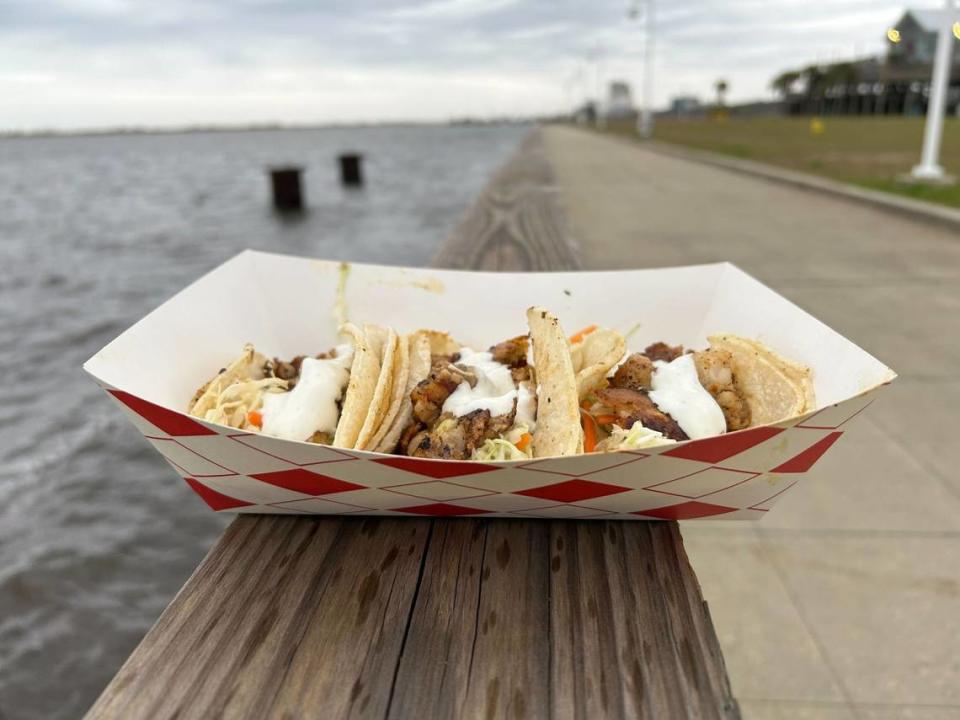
<point>417,368</point>
<point>494,404</point>
<point>664,395</point>
<point>337,398</point>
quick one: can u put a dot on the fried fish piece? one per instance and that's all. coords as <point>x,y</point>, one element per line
<point>512,352</point>
<point>631,406</point>
<point>664,352</point>
<point>635,373</point>
<point>716,374</point>
<point>455,438</point>
<point>429,395</point>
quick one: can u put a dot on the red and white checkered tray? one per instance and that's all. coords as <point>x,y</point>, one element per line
<point>284,305</point>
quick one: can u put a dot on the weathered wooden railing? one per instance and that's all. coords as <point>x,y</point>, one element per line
<point>294,617</point>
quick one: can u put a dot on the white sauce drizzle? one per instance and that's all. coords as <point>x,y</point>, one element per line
<point>526,406</point>
<point>494,390</point>
<point>312,405</point>
<point>677,391</point>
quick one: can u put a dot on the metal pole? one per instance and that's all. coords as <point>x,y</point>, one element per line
<point>645,127</point>
<point>929,168</point>
<point>601,120</point>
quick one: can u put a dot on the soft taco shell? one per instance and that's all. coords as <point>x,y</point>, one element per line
<point>440,342</point>
<point>775,388</point>
<point>364,374</point>
<point>418,359</point>
<point>558,411</point>
<point>400,372</point>
<point>385,342</point>
<point>593,357</point>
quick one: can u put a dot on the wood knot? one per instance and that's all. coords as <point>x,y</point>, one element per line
<point>388,560</point>
<point>503,554</point>
<point>366,594</point>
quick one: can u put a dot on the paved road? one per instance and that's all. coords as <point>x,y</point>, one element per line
<point>843,602</point>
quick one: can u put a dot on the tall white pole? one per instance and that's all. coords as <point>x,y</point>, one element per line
<point>601,116</point>
<point>646,114</point>
<point>929,167</point>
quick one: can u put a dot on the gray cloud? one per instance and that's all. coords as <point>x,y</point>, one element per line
<point>103,62</point>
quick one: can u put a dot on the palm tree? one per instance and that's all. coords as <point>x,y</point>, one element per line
<point>813,76</point>
<point>721,86</point>
<point>783,83</point>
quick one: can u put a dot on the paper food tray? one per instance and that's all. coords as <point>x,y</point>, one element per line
<point>286,306</point>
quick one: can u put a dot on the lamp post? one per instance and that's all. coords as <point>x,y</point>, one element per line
<point>645,120</point>
<point>929,169</point>
<point>600,121</point>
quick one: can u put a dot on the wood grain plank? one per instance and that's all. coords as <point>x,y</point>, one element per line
<point>279,618</point>
<point>477,642</point>
<point>637,642</point>
<point>516,223</point>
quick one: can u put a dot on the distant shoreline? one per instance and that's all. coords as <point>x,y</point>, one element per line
<point>256,127</point>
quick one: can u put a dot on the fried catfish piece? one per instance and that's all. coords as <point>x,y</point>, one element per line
<point>662,351</point>
<point>715,372</point>
<point>635,373</point>
<point>631,406</point>
<point>429,395</point>
<point>290,371</point>
<point>521,374</point>
<point>512,352</point>
<point>454,438</point>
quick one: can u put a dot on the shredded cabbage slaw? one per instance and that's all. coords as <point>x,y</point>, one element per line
<point>234,402</point>
<point>505,448</point>
<point>636,438</point>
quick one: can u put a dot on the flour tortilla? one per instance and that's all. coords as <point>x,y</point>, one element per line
<point>418,364</point>
<point>776,389</point>
<point>364,374</point>
<point>440,342</point>
<point>384,342</point>
<point>558,411</point>
<point>400,372</point>
<point>593,357</point>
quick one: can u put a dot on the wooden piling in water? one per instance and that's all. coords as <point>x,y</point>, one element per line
<point>351,169</point>
<point>287,193</point>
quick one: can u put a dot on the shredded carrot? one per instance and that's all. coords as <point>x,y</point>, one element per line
<point>589,431</point>
<point>255,418</point>
<point>524,441</point>
<point>605,419</point>
<point>578,336</point>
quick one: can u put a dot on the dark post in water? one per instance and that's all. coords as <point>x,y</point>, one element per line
<point>351,173</point>
<point>286,188</point>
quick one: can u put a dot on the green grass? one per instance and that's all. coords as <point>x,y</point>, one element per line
<point>866,151</point>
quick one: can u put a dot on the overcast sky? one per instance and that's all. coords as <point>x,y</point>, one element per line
<point>96,63</point>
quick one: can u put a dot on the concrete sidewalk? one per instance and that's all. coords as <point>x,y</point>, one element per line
<point>845,601</point>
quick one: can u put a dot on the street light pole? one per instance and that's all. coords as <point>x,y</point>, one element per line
<point>601,118</point>
<point>645,124</point>
<point>929,168</point>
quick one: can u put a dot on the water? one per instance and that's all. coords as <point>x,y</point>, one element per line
<point>96,532</point>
